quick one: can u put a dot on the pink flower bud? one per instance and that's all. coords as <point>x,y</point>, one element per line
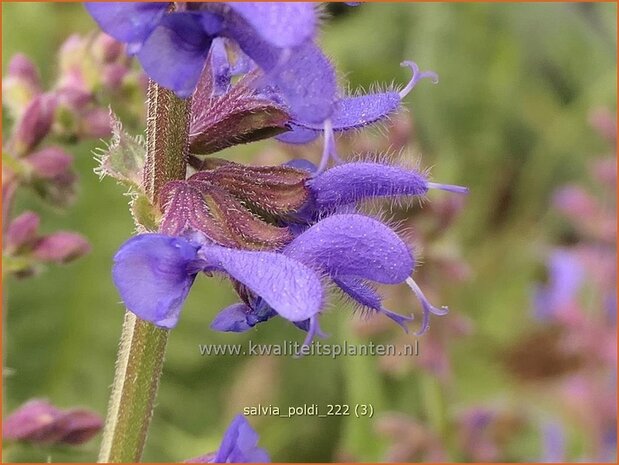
<point>20,85</point>
<point>51,175</point>
<point>50,162</point>
<point>38,421</point>
<point>80,425</point>
<point>61,247</point>
<point>22,231</point>
<point>96,123</point>
<point>34,124</point>
<point>74,97</point>
<point>35,421</point>
<point>22,68</point>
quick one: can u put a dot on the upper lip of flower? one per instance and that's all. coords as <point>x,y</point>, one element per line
<point>277,36</point>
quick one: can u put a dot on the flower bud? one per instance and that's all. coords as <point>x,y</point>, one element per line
<point>35,421</point>
<point>78,67</point>
<point>20,85</point>
<point>51,175</point>
<point>49,162</point>
<point>22,231</point>
<point>80,425</point>
<point>34,124</point>
<point>96,123</point>
<point>61,247</point>
<point>38,421</point>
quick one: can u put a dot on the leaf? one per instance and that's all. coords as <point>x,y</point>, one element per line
<point>124,157</point>
<point>144,213</point>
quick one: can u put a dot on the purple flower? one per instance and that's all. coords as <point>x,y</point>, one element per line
<point>353,112</point>
<point>154,273</point>
<point>350,183</point>
<point>173,46</point>
<point>239,445</point>
<point>357,111</point>
<point>353,251</point>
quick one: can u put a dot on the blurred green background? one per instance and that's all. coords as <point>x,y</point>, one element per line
<point>508,119</point>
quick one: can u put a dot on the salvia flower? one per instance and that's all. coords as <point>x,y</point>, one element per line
<point>258,110</point>
<point>38,421</point>
<point>239,445</point>
<point>352,251</point>
<point>357,111</point>
<point>154,273</point>
<point>269,229</point>
<point>173,43</point>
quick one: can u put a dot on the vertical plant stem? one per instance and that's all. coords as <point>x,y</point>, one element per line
<point>142,344</point>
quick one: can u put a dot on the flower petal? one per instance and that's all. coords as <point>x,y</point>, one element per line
<point>127,21</point>
<point>359,292</point>
<point>240,317</point>
<point>153,276</point>
<point>302,76</point>
<point>292,289</point>
<point>232,319</point>
<point>240,444</point>
<point>352,182</point>
<point>354,245</point>
<point>298,135</point>
<point>220,67</point>
<point>282,24</point>
<point>369,298</point>
<point>307,82</point>
<point>359,111</point>
<point>175,53</point>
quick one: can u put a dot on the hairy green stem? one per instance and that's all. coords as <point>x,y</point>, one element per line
<point>142,344</point>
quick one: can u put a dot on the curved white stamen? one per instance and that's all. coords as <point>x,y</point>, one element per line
<point>417,76</point>
<point>448,188</point>
<point>425,303</point>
